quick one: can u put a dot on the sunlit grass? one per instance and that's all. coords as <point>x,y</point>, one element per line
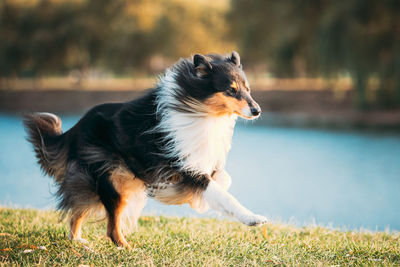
<point>30,237</point>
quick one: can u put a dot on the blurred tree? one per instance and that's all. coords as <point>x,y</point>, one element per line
<point>50,36</point>
<point>360,38</point>
<point>325,37</point>
<point>194,26</point>
<point>133,39</point>
<point>55,36</point>
<point>12,48</point>
<point>167,28</point>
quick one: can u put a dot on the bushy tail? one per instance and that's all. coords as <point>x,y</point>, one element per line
<point>45,134</point>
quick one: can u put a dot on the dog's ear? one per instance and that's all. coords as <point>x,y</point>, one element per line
<point>201,65</point>
<point>235,59</point>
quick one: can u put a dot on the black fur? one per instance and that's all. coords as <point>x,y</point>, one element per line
<point>121,134</point>
<point>45,135</point>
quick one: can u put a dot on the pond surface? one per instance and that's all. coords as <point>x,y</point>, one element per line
<point>342,179</point>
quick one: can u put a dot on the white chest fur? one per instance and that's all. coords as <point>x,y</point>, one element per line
<point>200,143</point>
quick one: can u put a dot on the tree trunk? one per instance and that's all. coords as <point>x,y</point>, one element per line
<point>361,90</point>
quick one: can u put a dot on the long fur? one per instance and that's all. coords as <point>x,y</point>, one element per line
<point>199,141</point>
<point>45,132</point>
<point>166,144</point>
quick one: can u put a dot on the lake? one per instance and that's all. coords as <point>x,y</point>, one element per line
<point>347,180</point>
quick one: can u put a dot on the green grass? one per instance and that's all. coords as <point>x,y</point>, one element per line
<point>188,242</point>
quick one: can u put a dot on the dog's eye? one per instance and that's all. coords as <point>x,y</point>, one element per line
<point>231,91</point>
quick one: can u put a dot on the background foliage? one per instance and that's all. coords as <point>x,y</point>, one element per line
<point>302,38</point>
<point>53,37</point>
<point>360,38</point>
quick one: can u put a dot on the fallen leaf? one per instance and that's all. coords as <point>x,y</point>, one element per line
<point>6,249</point>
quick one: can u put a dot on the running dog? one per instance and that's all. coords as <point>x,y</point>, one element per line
<point>170,144</point>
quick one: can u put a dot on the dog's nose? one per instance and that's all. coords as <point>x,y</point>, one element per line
<point>255,111</point>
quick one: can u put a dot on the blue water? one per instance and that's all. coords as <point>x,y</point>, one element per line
<point>341,179</point>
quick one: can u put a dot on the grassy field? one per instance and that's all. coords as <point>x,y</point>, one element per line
<point>31,237</point>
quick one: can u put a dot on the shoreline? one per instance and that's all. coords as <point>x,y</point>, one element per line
<point>295,108</point>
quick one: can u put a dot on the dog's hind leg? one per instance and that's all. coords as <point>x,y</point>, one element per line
<point>114,205</point>
<point>77,194</point>
<point>116,190</point>
<point>114,224</point>
<point>76,221</point>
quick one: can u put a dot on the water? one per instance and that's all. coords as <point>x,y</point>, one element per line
<point>343,179</point>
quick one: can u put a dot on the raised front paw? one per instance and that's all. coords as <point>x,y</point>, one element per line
<point>254,220</point>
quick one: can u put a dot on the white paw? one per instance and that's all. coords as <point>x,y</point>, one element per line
<point>254,220</point>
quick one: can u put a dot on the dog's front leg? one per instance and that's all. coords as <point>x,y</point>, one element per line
<point>222,178</point>
<point>220,200</point>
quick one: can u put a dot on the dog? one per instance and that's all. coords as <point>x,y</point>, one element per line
<point>170,145</point>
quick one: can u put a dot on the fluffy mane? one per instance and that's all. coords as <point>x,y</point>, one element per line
<point>197,139</point>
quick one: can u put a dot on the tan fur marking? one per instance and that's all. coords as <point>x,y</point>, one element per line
<point>114,225</point>
<point>220,104</point>
<point>171,197</point>
<point>234,85</point>
<point>126,185</point>
<point>195,200</point>
<point>76,225</point>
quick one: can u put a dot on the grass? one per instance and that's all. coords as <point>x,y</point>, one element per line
<point>32,237</point>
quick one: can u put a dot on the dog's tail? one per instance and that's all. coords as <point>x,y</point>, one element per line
<point>45,134</point>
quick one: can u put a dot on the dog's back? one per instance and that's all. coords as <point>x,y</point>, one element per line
<point>53,148</point>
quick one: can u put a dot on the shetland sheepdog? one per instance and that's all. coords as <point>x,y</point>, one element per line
<point>170,145</point>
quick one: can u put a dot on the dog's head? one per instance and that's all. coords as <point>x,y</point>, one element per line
<point>220,85</point>
<point>228,86</point>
